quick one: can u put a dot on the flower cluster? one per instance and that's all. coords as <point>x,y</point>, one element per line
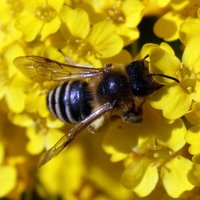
<point>155,159</point>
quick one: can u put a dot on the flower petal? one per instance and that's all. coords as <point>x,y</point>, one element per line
<point>76,20</point>
<point>189,29</point>
<point>8,179</point>
<point>104,40</point>
<point>174,175</point>
<point>174,138</point>
<point>173,101</point>
<point>194,114</point>
<point>50,27</point>
<point>193,138</point>
<point>35,144</point>
<point>162,62</point>
<point>141,176</point>
<point>167,26</point>
<point>29,25</point>
<point>191,55</point>
<point>16,99</point>
<point>57,5</point>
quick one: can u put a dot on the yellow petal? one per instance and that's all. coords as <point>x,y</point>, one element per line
<point>148,47</point>
<point>8,180</point>
<point>189,29</point>
<point>162,62</point>
<point>148,182</point>
<point>178,102</point>
<point>42,107</point>
<point>23,120</point>
<point>194,175</point>
<point>167,26</point>
<point>104,40</point>
<point>50,27</point>
<point>174,175</point>
<point>194,114</point>
<point>128,34</point>
<point>162,3</point>
<point>57,5</point>
<point>56,178</point>
<point>16,99</point>
<point>174,138</point>
<point>141,176</point>
<point>133,10</point>
<point>76,20</point>
<point>193,138</point>
<point>35,144</point>
<point>191,55</point>
<point>29,25</point>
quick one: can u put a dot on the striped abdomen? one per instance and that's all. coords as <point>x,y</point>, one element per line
<point>70,101</point>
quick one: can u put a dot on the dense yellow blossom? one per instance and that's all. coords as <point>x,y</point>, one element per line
<point>39,18</point>
<point>120,14</point>
<point>155,159</point>
<point>168,25</point>
<point>187,72</point>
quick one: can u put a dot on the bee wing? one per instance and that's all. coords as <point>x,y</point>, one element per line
<point>66,140</point>
<point>42,69</point>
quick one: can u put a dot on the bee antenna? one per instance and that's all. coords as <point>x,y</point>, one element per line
<point>146,57</point>
<point>166,76</point>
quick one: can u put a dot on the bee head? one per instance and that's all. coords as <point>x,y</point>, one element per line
<point>141,81</point>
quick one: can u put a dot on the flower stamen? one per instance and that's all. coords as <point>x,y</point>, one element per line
<point>187,78</point>
<point>45,13</point>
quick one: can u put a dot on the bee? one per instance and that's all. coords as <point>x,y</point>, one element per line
<point>84,94</point>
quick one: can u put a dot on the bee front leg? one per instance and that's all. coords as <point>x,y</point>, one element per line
<point>134,114</point>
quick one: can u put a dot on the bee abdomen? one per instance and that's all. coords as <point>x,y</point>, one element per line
<point>70,101</point>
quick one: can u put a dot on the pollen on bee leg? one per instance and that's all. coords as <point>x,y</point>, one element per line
<point>97,124</point>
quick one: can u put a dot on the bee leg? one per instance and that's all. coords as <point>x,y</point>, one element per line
<point>134,114</point>
<point>67,139</point>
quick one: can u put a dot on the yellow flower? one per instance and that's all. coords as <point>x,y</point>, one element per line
<point>168,25</point>
<point>152,154</point>
<point>8,174</point>
<point>8,180</point>
<point>193,116</point>
<point>94,179</point>
<point>85,44</point>
<point>39,18</point>
<point>192,138</point>
<point>155,7</point>
<point>13,84</point>
<point>189,29</point>
<point>8,33</point>
<point>148,148</point>
<point>120,14</point>
<point>178,96</point>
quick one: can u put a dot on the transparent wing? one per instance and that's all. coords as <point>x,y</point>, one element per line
<point>42,69</point>
<point>67,139</point>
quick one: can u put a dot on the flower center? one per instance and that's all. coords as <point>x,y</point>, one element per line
<point>15,7</point>
<point>45,13</point>
<point>187,79</point>
<point>191,8</point>
<point>78,48</point>
<point>115,14</point>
